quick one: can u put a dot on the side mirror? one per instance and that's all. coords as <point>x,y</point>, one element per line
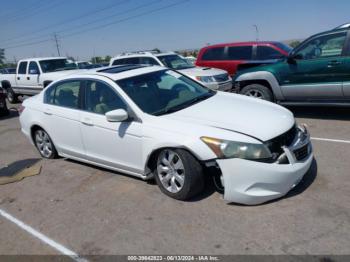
<point>118,115</point>
<point>33,72</point>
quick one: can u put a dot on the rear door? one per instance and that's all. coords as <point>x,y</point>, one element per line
<point>62,116</point>
<point>21,75</point>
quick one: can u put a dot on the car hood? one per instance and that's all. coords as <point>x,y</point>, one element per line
<point>250,116</point>
<point>202,71</point>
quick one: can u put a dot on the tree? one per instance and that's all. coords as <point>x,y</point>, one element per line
<point>2,56</point>
<point>107,58</point>
<point>294,43</point>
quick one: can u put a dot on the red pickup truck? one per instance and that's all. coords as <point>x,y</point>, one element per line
<point>233,57</point>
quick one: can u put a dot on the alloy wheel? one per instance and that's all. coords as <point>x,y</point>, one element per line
<point>43,143</point>
<point>255,93</point>
<point>171,171</point>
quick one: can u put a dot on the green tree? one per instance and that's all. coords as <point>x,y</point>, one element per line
<point>2,56</point>
<point>107,58</point>
<point>294,43</point>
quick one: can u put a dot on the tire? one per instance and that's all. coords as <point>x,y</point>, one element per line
<point>44,144</point>
<point>258,91</point>
<point>11,96</point>
<point>180,164</point>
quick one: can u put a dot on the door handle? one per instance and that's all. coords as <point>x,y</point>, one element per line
<point>87,121</point>
<point>28,78</point>
<point>47,112</point>
<point>18,78</point>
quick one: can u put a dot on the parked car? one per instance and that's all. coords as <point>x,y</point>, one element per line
<point>33,74</point>
<point>215,79</point>
<point>234,57</point>
<point>317,72</point>
<point>3,107</point>
<point>190,59</point>
<point>153,122</point>
<point>7,70</point>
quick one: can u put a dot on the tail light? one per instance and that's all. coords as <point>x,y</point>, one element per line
<point>21,109</point>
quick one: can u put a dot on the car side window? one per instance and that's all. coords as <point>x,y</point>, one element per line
<point>267,53</point>
<point>322,46</point>
<point>212,54</point>
<point>22,69</point>
<point>65,94</point>
<point>240,53</point>
<point>33,68</point>
<point>127,61</point>
<point>148,61</point>
<point>100,98</point>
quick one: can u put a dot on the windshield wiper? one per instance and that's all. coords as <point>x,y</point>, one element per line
<point>184,105</point>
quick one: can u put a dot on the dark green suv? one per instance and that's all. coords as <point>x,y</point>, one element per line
<point>316,72</point>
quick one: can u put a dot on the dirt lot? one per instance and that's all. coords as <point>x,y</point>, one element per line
<point>94,211</point>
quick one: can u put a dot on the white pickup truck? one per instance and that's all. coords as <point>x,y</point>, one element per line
<point>34,74</point>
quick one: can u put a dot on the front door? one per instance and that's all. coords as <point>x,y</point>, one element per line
<point>318,69</point>
<point>33,77</point>
<point>113,144</point>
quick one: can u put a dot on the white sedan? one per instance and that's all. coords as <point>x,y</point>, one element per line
<point>153,122</point>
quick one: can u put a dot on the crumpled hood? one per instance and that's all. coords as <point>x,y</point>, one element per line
<point>260,119</point>
<point>202,71</point>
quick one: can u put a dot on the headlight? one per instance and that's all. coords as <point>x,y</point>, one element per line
<point>206,79</point>
<point>231,149</point>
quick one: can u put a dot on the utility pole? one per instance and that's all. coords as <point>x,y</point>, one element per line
<point>57,44</point>
<point>257,33</point>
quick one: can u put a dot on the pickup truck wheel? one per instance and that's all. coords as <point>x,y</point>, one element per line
<point>11,96</point>
<point>258,91</point>
<point>178,174</point>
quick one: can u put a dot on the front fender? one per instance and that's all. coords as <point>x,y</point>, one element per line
<point>266,76</point>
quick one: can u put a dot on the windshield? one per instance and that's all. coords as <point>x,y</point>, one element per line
<point>175,62</point>
<point>164,92</point>
<point>54,65</point>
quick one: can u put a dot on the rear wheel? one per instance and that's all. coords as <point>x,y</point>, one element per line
<point>179,174</point>
<point>44,144</point>
<point>258,91</point>
<point>11,96</point>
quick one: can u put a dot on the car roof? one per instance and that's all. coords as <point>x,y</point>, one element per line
<point>142,54</point>
<point>118,72</point>
<point>244,43</point>
<point>37,59</point>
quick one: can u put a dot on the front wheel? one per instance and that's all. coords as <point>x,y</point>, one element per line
<point>258,91</point>
<point>179,174</point>
<point>11,96</point>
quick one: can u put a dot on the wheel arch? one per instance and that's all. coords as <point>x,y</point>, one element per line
<point>261,77</point>
<point>150,162</point>
<point>5,84</point>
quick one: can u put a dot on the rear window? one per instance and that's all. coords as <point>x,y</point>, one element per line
<point>216,53</point>
<point>240,53</point>
<point>127,61</point>
<point>267,53</point>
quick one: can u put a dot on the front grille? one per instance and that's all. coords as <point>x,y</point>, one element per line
<point>286,139</point>
<point>221,78</point>
<point>301,153</point>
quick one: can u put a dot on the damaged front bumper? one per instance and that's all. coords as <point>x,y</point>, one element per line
<point>252,183</point>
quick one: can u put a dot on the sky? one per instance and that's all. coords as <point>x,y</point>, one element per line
<point>85,28</point>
